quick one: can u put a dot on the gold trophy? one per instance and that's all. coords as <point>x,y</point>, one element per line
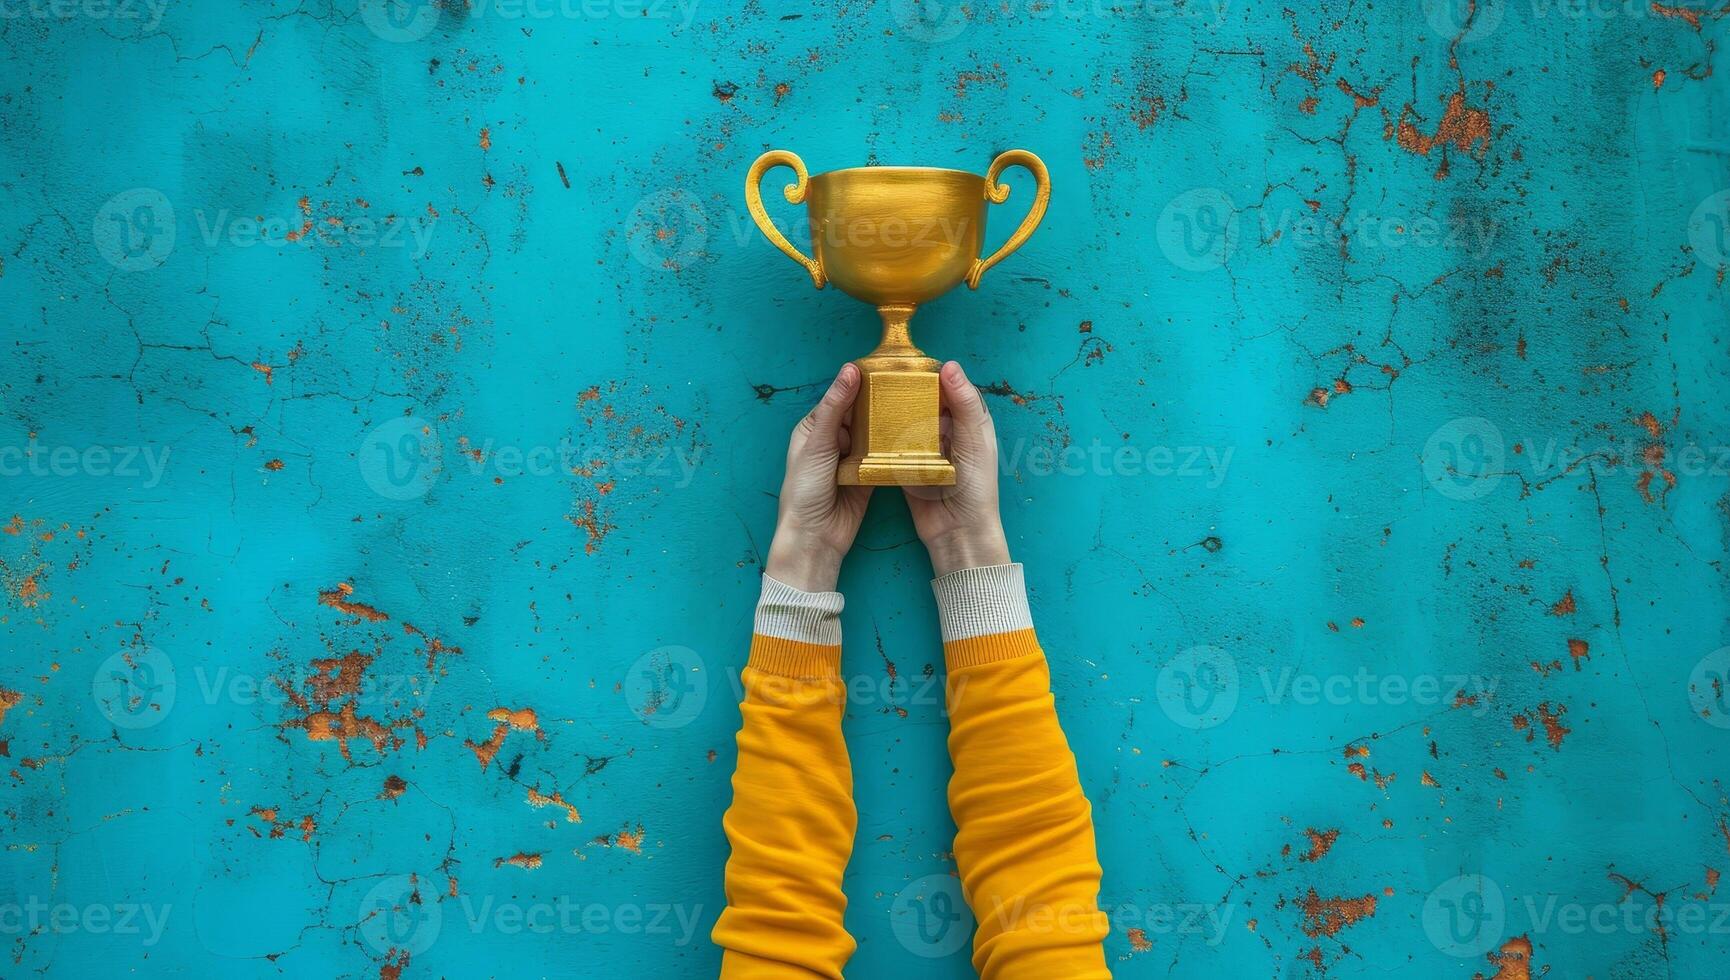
<point>897,237</point>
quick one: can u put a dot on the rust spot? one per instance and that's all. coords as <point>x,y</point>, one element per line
<point>1691,17</point>
<point>1464,128</point>
<point>273,465</point>
<point>346,725</point>
<point>538,800</point>
<point>520,719</point>
<point>1149,112</point>
<point>630,840</point>
<point>266,370</point>
<point>1321,842</point>
<point>394,786</point>
<point>1512,962</point>
<point>1327,916</point>
<point>1579,650</point>
<point>8,701</point>
<point>524,860</point>
<point>1138,942</point>
<point>1564,606</point>
<point>486,140</point>
<point>1658,79</point>
<point>338,599</point>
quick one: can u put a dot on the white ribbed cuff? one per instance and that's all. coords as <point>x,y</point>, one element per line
<point>982,602</point>
<point>787,613</point>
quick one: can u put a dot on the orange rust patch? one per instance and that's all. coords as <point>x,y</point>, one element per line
<point>1658,79</point>
<point>538,800</point>
<point>524,860</point>
<point>519,719</point>
<point>1512,962</point>
<point>1327,916</point>
<point>338,599</point>
<point>1564,606</point>
<point>348,725</point>
<point>394,786</point>
<point>1690,17</point>
<point>486,140</point>
<point>522,719</point>
<point>8,701</point>
<point>630,840</point>
<point>266,370</point>
<point>1554,730</point>
<point>487,751</point>
<point>1321,842</point>
<point>273,465</point>
<point>1579,650</point>
<point>15,526</point>
<point>338,677</point>
<point>1138,942</point>
<point>1463,127</point>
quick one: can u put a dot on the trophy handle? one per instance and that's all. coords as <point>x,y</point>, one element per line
<point>795,193</point>
<point>998,193</point>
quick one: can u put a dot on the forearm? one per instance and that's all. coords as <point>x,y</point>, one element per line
<point>792,820</point>
<point>1024,840</point>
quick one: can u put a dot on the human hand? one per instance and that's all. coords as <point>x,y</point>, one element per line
<point>818,518</point>
<point>960,525</point>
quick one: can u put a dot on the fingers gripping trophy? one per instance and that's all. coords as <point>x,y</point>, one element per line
<point>897,237</point>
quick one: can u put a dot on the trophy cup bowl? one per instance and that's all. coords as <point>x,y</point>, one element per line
<point>897,237</point>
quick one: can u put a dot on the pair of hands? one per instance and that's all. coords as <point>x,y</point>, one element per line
<point>819,519</point>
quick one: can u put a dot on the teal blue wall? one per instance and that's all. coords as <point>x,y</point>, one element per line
<point>1321,403</point>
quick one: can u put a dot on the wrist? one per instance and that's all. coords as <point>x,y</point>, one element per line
<point>802,562</point>
<point>970,547</point>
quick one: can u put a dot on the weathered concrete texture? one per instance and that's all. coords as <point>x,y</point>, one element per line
<point>1364,419</point>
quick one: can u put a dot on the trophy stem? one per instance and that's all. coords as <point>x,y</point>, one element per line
<point>895,435</point>
<point>897,339</point>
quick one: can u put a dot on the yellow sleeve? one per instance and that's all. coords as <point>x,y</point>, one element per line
<point>792,820</point>
<point>1024,839</point>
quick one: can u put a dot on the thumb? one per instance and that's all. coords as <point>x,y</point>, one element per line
<point>823,424</point>
<point>970,420</point>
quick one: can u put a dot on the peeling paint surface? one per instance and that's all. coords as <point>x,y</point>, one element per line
<point>395,396</point>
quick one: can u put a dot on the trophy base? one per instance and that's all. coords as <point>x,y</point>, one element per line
<point>898,470</point>
<point>895,437</point>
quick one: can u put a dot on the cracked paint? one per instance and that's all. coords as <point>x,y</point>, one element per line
<point>488,412</point>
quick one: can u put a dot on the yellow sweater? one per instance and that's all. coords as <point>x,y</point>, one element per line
<point>1024,840</point>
